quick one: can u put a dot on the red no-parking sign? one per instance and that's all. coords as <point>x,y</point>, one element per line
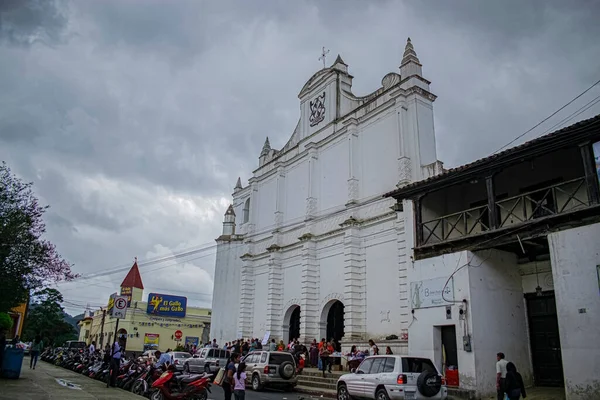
<point>178,334</point>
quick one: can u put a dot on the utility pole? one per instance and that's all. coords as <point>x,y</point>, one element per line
<point>102,329</point>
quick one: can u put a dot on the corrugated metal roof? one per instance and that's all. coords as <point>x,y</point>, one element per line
<point>452,172</point>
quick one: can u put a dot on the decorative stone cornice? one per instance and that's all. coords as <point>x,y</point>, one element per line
<point>306,236</point>
<point>351,222</point>
<point>272,248</point>
<point>246,256</point>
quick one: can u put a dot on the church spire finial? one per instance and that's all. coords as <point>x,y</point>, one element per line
<point>409,54</point>
<point>266,148</point>
<point>238,184</point>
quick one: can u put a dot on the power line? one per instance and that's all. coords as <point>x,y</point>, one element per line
<point>574,114</point>
<point>546,119</point>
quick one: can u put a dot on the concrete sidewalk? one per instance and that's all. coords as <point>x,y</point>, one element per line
<point>50,382</point>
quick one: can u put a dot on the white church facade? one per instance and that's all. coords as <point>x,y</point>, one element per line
<point>310,248</point>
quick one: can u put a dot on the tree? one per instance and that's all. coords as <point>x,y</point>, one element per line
<point>46,318</point>
<point>27,261</point>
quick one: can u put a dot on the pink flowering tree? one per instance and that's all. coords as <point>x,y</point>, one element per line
<point>27,260</point>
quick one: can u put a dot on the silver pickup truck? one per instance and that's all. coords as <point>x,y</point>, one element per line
<point>206,360</point>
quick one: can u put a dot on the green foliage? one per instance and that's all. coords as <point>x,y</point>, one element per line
<point>46,318</point>
<point>179,347</point>
<point>6,322</point>
<point>27,261</point>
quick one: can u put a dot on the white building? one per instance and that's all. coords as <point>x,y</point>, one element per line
<point>311,232</point>
<point>507,259</point>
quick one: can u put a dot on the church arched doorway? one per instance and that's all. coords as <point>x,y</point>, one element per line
<point>291,324</point>
<point>332,321</point>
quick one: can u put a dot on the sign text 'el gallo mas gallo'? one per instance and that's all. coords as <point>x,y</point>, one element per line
<point>166,305</point>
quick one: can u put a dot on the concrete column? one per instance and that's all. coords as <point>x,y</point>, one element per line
<point>309,303</point>
<point>403,164</point>
<point>355,313</point>
<point>279,201</point>
<point>313,182</point>
<point>275,293</point>
<point>353,162</point>
<point>403,262</point>
<point>246,320</point>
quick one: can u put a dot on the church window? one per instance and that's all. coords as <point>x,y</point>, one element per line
<point>247,211</point>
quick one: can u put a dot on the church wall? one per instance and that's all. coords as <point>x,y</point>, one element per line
<point>426,131</point>
<point>224,322</point>
<point>261,286</point>
<point>292,279</point>
<point>332,274</point>
<point>333,165</point>
<point>296,191</point>
<point>383,298</point>
<point>267,191</point>
<point>378,155</point>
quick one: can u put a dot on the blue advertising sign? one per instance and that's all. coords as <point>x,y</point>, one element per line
<point>192,341</point>
<point>166,305</point>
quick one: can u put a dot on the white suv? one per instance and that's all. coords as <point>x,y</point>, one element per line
<point>393,378</point>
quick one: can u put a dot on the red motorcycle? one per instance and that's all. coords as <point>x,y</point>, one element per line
<point>179,387</point>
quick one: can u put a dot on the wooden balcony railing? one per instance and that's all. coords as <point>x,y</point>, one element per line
<point>525,207</point>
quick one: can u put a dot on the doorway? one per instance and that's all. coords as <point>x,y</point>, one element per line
<point>335,321</point>
<point>294,326</point>
<point>544,339</point>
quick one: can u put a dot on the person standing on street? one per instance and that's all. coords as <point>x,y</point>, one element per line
<point>36,348</point>
<point>239,378</point>
<point>228,380</point>
<point>500,375</point>
<point>115,363</point>
<point>92,348</point>
<point>513,384</point>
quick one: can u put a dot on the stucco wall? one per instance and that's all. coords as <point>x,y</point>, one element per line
<point>227,281</point>
<point>383,297</point>
<point>575,254</point>
<point>491,284</point>
<point>422,339</point>
<point>498,317</point>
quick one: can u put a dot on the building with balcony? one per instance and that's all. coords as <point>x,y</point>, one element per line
<point>506,258</point>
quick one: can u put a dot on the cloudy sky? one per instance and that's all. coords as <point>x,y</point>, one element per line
<point>135,118</point>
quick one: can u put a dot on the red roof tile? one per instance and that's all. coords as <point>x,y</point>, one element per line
<point>133,278</point>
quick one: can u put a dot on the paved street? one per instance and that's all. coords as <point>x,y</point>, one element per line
<point>50,382</point>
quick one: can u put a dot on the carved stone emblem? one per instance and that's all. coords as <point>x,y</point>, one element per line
<point>317,110</point>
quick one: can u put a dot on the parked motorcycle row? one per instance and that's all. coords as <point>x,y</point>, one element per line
<point>136,375</point>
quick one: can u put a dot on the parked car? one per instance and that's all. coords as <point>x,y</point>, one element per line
<point>74,345</point>
<point>207,360</point>
<point>179,358</point>
<point>271,369</point>
<point>393,377</point>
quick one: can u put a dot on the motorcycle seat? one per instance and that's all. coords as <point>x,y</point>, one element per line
<point>189,378</point>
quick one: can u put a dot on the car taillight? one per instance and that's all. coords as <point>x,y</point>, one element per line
<point>401,380</point>
<point>443,380</point>
<point>266,371</point>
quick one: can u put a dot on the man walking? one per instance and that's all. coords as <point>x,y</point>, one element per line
<point>115,363</point>
<point>500,375</point>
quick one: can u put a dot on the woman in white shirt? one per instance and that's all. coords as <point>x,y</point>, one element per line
<point>239,379</point>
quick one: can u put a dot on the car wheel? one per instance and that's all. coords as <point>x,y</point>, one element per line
<point>342,392</point>
<point>256,386</point>
<point>382,395</point>
<point>186,368</point>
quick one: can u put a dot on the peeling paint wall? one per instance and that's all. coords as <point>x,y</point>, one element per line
<point>499,317</point>
<point>575,255</point>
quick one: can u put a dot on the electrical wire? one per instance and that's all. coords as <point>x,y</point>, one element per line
<point>574,114</point>
<point>546,119</point>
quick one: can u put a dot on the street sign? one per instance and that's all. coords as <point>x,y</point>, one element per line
<point>111,303</point>
<point>120,307</point>
<point>178,334</point>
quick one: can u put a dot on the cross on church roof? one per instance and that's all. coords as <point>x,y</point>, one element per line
<point>323,55</point>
